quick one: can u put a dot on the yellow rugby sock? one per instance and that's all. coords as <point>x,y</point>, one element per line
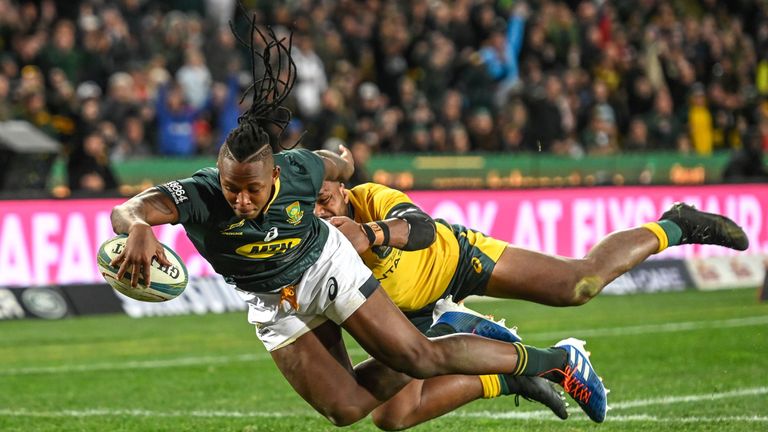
<point>491,386</point>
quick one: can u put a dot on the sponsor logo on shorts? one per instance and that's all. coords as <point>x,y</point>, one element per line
<point>333,288</point>
<point>177,191</point>
<point>260,250</point>
<point>477,265</point>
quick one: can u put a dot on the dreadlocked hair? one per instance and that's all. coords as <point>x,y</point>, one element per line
<point>250,140</point>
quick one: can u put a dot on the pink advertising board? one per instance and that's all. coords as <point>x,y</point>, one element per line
<point>570,221</point>
<point>55,242</point>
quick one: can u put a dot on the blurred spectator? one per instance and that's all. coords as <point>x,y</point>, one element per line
<point>664,128</point>
<point>120,100</point>
<point>6,108</point>
<point>458,139</point>
<point>637,139</point>
<point>311,81</point>
<point>90,103</point>
<point>501,50</point>
<point>175,122</point>
<point>132,143</point>
<point>361,152</point>
<point>482,131</point>
<point>747,164</point>
<point>63,53</point>
<point>226,102</point>
<point>545,120</point>
<point>700,121</point>
<point>557,76</point>
<point>222,54</point>
<point>601,136</point>
<point>194,78</point>
<point>89,168</point>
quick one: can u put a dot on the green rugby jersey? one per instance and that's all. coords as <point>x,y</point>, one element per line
<point>262,254</point>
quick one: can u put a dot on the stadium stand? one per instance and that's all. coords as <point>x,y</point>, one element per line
<point>566,77</point>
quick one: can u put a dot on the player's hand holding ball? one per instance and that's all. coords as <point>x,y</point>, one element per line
<point>141,267</point>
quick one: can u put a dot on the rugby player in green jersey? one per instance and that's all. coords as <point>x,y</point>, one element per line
<point>252,218</point>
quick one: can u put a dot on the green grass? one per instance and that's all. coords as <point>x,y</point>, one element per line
<point>201,373</point>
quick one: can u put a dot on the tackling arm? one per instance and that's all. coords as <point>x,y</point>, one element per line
<point>338,167</point>
<point>407,227</point>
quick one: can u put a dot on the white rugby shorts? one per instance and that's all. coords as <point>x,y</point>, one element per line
<point>334,287</point>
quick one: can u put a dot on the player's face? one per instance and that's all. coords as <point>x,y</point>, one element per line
<point>331,201</point>
<point>247,186</point>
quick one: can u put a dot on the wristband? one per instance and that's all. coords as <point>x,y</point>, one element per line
<point>384,229</point>
<point>368,233</point>
<point>378,233</point>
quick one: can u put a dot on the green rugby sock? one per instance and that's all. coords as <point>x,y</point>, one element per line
<point>669,233</point>
<point>674,233</point>
<point>532,361</point>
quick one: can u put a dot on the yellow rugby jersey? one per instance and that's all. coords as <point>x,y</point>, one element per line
<point>412,279</point>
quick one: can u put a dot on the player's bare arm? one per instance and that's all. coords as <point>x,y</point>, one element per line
<point>338,167</point>
<point>135,218</point>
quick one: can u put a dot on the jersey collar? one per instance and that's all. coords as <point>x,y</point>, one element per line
<point>274,196</point>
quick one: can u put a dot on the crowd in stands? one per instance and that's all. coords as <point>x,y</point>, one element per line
<point>120,79</point>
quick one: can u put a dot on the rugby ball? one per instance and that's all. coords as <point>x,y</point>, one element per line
<point>166,282</point>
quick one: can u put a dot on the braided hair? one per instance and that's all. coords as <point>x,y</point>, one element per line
<point>250,140</point>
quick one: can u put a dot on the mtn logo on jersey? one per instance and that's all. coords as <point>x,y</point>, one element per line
<point>261,250</point>
<point>295,213</point>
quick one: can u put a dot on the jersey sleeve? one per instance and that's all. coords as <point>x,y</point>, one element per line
<point>305,163</point>
<point>192,195</point>
<point>380,199</point>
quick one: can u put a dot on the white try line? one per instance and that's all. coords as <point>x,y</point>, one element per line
<point>212,360</point>
<point>615,406</point>
<point>548,416</point>
<point>524,415</point>
<point>654,328</point>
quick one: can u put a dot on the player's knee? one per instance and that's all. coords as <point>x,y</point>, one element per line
<point>582,283</point>
<point>585,289</point>
<point>342,414</point>
<point>388,422</point>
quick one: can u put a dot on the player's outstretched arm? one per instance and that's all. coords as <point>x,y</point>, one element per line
<point>151,207</point>
<point>135,218</point>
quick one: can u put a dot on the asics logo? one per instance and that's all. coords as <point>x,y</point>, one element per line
<point>271,234</point>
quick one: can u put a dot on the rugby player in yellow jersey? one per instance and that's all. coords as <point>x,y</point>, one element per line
<point>420,261</point>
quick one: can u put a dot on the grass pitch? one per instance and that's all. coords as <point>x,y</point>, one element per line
<point>674,362</point>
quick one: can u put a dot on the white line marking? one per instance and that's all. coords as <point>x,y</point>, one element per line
<point>139,364</point>
<point>148,364</point>
<point>755,391</point>
<point>207,360</point>
<point>106,412</point>
<point>548,416</point>
<point>654,328</point>
<point>524,415</point>
<point>667,400</point>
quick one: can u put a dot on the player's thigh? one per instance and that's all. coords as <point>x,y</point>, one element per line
<point>386,334</point>
<point>318,367</point>
<point>529,275</point>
